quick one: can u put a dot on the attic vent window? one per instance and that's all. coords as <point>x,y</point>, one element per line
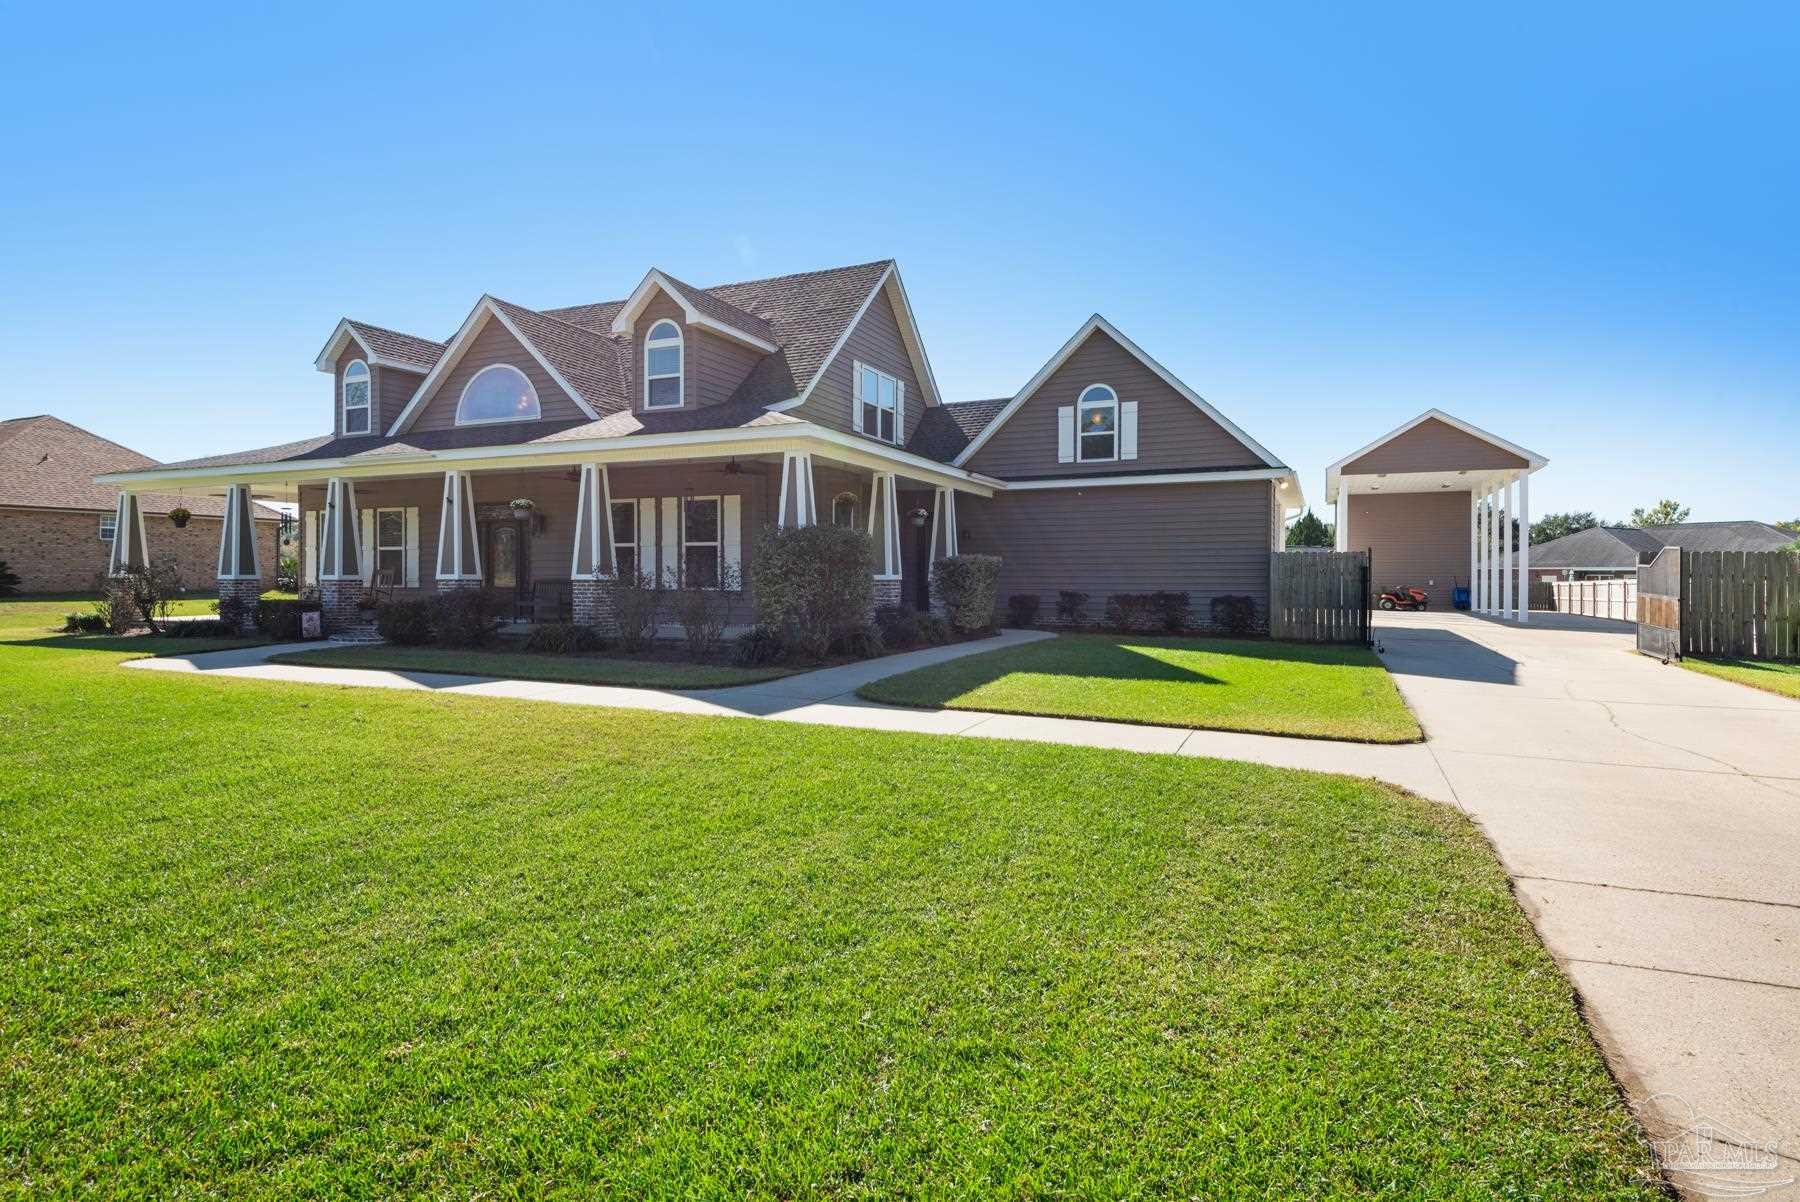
<point>662,366</point>
<point>356,397</point>
<point>497,393</point>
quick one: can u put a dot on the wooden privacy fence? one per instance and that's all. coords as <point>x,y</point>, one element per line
<point>1659,605</point>
<point>1596,598</point>
<point>1740,604</point>
<point>1319,596</point>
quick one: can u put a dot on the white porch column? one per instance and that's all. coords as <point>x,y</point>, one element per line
<point>1474,545</point>
<point>1478,600</point>
<point>340,544</point>
<point>1508,508</point>
<point>884,531</point>
<point>798,507</point>
<point>240,560</point>
<point>1342,533</point>
<point>459,551</point>
<point>943,525</point>
<point>1525,547</point>
<point>593,560</point>
<point>129,552</point>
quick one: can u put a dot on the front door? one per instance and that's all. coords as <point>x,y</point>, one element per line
<point>506,557</point>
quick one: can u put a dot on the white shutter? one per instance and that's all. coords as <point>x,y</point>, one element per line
<point>671,542</point>
<point>309,562</point>
<point>412,547</point>
<point>1128,429</point>
<point>646,539</point>
<point>731,517</point>
<point>856,396</point>
<point>1065,434</point>
<point>367,550</point>
<point>899,413</point>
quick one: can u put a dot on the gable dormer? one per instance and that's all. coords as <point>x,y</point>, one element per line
<point>374,372</point>
<point>688,347</point>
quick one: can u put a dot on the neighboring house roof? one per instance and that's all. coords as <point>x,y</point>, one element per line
<point>1624,546</point>
<point>47,463</point>
<point>944,430</point>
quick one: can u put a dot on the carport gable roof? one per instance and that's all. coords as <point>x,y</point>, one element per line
<point>1529,461</point>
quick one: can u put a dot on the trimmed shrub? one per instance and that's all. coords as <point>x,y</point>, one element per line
<point>759,647</point>
<point>94,623</point>
<point>1172,608</point>
<point>205,628</point>
<point>933,630</point>
<point>862,642</point>
<point>9,581</point>
<point>704,612</point>
<point>1071,607</point>
<point>636,604</point>
<point>235,612</point>
<point>899,625</point>
<point>465,617</point>
<point>564,638</point>
<point>812,584</point>
<point>966,585</point>
<point>1022,610</point>
<point>280,619</point>
<point>1131,612</point>
<point>1235,614</point>
<point>404,621</point>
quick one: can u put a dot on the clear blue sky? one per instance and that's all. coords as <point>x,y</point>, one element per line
<point>1578,227</point>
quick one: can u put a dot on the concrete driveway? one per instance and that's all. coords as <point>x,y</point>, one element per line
<point>1650,818</point>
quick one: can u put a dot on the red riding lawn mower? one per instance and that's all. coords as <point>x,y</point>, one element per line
<point>1404,597</point>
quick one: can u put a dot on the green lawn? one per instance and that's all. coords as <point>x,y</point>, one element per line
<point>1783,678</point>
<point>41,618</point>
<point>521,665</point>
<point>1321,692</point>
<point>269,940</point>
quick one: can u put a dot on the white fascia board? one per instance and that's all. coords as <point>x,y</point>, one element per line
<point>484,310</point>
<point>1099,324</point>
<point>1254,473</point>
<point>633,448</point>
<point>654,280</point>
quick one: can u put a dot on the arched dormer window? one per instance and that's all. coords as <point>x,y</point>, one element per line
<point>498,392</point>
<point>662,366</point>
<point>843,510</point>
<point>356,397</point>
<point>1097,424</point>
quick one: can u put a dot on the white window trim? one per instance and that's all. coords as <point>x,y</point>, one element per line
<point>855,507</point>
<point>717,542</point>
<point>375,555</point>
<point>857,401</point>
<point>497,421</point>
<point>637,534</point>
<point>679,375</point>
<point>368,405</point>
<point>1081,403</point>
<point>109,526</point>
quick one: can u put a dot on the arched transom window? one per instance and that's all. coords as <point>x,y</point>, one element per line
<point>356,397</point>
<point>662,366</point>
<point>498,392</point>
<point>1097,424</point>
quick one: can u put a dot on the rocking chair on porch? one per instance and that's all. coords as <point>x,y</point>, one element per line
<point>381,588</point>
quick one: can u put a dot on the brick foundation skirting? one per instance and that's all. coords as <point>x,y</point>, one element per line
<point>246,591</point>
<point>338,605</point>
<point>591,604</point>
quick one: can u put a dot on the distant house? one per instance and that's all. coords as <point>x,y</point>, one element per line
<point>56,524</point>
<point>1603,552</point>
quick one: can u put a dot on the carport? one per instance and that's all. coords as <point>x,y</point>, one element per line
<point>1432,501</point>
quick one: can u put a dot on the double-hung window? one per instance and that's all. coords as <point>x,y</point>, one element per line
<point>700,544</point>
<point>356,397</point>
<point>625,537</point>
<point>662,366</point>
<point>878,401</point>
<point>1097,424</point>
<point>109,526</point>
<point>390,545</point>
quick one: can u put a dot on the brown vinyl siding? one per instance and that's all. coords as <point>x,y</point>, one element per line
<point>1173,435</point>
<point>394,387</point>
<point>1420,539</point>
<point>494,345</point>
<point>875,340</point>
<point>712,367</point>
<point>1432,446</point>
<point>1203,539</point>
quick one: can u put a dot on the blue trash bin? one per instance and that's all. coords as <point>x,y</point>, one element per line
<point>1459,596</point>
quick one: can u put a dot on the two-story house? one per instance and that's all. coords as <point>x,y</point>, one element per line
<point>656,433</point>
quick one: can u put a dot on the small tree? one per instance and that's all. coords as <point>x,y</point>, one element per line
<point>1664,513</point>
<point>1310,531</point>
<point>1556,525</point>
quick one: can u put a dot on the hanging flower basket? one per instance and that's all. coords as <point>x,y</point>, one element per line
<point>522,508</point>
<point>180,515</point>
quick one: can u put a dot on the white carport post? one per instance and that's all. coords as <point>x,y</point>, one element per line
<point>1493,551</point>
<point>1508,509</point>
<point>1474,546</point>
<point>1478,601</point>
<point>1525,546</point>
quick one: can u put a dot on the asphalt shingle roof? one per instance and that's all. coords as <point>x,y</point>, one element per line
<point>1623,546</point>
<point>944,430</point>
<point>392,344</point>
<point>47,463</point>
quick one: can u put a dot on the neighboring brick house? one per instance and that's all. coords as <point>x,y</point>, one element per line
<point>56,524</point>
<point>657,433</point>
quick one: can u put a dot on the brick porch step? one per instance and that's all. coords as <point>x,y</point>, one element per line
<point>356,634</point>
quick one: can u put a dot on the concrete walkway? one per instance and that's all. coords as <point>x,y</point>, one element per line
<point>1649,818</point>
